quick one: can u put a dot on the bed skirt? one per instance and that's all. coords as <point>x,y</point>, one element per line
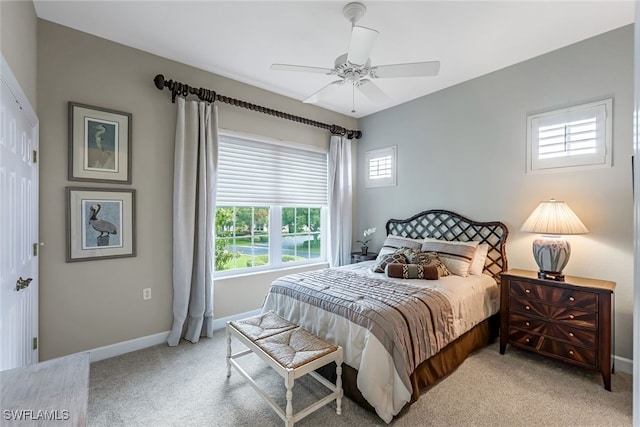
<point>431,370</point>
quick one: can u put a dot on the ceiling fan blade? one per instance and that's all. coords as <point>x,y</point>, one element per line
<point>361,44</point>
<point>373,92</point>
<point>415,69</point>
<point>322,92</point>
<point>301,68</point>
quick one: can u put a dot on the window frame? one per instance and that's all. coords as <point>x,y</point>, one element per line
<point>602,158</point>
<point>275,216</point>
<point>371,155</point>
<point>275,244</point>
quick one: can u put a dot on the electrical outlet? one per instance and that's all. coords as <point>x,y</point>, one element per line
<point>146,293</point>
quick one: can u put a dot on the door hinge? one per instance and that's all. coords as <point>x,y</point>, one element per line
<point>35,249</point>
<point>35,156</point>
<point>35,343</point>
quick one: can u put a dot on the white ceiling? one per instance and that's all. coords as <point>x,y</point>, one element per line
<point>241,39</point>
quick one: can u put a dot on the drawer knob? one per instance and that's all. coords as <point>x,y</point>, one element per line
<point>528,291</point>
<point>527,323</point>
<point>526,307</point>
<point>527,340</point>
<point>571,316</point>
<point>572,299</point>
<point>570,334</point>
<point>571,352</point>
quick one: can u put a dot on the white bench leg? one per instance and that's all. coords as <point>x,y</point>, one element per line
<point>228,353</point>
<point>288,382</point>
<point>339,386</point>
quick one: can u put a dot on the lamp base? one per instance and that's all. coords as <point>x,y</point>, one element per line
<point>551,254</point>
<point>548,275</point>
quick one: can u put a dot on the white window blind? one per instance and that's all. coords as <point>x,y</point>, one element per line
<point>381,167</point>
<point>258,173</point>
<point>575,137</point>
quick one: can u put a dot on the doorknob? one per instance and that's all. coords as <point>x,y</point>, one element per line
<point>23,283</point>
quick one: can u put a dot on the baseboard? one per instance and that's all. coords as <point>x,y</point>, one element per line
<point>622,364</point>
<point>124,347</point>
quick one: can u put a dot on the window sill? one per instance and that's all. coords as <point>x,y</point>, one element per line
<point>284,271</point>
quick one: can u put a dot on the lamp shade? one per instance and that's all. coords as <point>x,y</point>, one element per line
<point>551,251</point>
<point>553,217</point>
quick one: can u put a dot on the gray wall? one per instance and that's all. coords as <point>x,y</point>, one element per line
<point>18,42</point>
<point>463,149</point>
<point>84,305</point>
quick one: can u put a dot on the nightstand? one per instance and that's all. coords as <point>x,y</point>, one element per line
<point>569,321</point>
<point>357,257</point>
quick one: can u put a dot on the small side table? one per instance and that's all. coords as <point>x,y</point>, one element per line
<point>357,257</point>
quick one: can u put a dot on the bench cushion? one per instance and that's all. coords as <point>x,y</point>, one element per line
<point>263,325</point>
<point>295,347</point>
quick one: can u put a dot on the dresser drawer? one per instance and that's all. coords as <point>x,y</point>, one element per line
<point>569,352</point>
<point>523,338</point>
<point>583,337</point>
<point>567,315</point>
<point>587,301</point>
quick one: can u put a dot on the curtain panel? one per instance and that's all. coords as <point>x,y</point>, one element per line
<point>194,195</point>
<point>340,201</point>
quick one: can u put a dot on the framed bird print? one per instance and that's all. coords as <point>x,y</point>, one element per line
<point>99,144</point>
<point>100,223</point>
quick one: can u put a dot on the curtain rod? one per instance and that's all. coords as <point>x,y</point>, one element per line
<point>182,89</point>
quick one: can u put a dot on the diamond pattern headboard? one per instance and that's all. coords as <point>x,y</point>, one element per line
<point>446,225</point>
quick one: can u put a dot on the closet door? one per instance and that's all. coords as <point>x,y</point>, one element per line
<point>18,226</point>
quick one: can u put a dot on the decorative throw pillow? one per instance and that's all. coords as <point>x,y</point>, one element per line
<point>410,253</point>
<point>412,271</point>
<point>477,265</point>
<point>431,259</point>
<point>456,256</point>
<point>387,259</point>
<point>425,259</point>
<point>393,243</point>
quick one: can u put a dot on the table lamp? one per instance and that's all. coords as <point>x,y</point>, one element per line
<point>552,219</point>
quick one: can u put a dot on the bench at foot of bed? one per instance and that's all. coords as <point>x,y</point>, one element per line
<point>292,352</point>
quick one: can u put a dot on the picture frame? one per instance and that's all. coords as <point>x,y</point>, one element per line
<point>100,223</point>
<point>99,144</point>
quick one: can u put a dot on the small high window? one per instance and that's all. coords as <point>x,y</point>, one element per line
<point>381,167</point>
<point>572,138</point>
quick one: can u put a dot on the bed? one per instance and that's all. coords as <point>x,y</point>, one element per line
<point>400,335</point>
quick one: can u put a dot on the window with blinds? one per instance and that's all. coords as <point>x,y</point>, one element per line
<point>572,138</point>
<point>381,167</point>
<point>253,172</point>
<point>271,205</point>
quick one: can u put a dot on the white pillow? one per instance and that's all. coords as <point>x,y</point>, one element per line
<point>393,243</point>
<point>477,265</point>
<point>456,256</point>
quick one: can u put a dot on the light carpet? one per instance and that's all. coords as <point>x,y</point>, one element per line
<point>187,386</point>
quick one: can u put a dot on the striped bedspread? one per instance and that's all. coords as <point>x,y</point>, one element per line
<point>410,322</point>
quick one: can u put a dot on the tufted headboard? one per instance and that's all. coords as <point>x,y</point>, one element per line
<point>446,225</point>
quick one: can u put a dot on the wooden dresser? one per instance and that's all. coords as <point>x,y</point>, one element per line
<point>570,321</point>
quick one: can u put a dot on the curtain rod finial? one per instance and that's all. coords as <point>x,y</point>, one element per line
<point>159,81</point>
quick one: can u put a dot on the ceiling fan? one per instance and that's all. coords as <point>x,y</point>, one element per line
<point>354,67</point>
